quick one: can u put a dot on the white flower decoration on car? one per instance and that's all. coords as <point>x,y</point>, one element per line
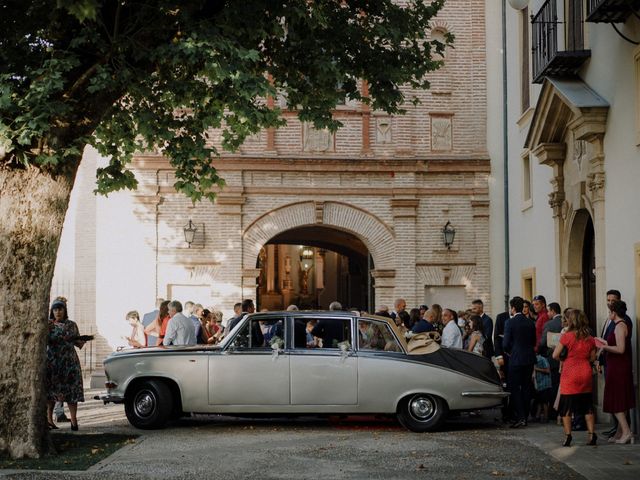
<point>277,344</point>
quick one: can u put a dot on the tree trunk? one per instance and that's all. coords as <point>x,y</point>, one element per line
<point>33,205</point>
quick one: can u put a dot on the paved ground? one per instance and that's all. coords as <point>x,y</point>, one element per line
<point>468,447</point>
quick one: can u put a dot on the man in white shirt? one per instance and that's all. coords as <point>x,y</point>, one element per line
<point>451,335</point>
<point>180,329</point>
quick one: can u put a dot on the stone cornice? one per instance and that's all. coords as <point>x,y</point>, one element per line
<point>436,164</point>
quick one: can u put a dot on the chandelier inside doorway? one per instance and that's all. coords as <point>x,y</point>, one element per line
<point>306,265</point>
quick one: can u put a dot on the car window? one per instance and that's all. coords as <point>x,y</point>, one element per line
<point>321,333</point>
<point>374,335</point>
<point>260,333</point>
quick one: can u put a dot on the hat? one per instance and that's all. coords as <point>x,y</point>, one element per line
<point>57,304</point>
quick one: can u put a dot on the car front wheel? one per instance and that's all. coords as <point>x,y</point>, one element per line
<point>422,412</point>
<point>149,404</point>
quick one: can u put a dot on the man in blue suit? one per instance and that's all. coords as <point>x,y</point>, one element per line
<point>519,343</point>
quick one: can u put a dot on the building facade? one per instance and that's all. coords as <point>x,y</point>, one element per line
<point>307,216</point>
<point>574,158</point>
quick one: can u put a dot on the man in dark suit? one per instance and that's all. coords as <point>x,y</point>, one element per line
<point>502,359</point>
<point>477,307</point>
<point>519,343</point>
<point>247,307</point>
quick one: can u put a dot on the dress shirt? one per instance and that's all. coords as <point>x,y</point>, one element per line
<point>451,336</point>
<point>180,331</point>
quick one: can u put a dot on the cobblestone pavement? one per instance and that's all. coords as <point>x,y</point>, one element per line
<point>353,448</point>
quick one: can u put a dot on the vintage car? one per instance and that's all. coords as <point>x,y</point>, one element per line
<point>295,363</point>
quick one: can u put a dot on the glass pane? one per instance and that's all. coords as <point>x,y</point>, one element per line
<point>260,333</point>
<point>322,332</point>
<point>376,336</point>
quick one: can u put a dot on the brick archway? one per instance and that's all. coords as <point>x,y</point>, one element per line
<point>377,236</point>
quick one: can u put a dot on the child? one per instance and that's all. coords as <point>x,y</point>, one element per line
<point>543,388</point>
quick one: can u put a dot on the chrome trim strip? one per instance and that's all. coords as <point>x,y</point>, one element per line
<point>485,394</point>
<point>108,398</point>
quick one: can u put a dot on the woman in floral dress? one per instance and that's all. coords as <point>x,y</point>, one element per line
<point>64,376</point>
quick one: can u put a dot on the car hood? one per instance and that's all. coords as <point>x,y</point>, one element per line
<point>151,350</point>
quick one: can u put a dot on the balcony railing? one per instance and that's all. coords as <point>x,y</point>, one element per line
<point>547,59</point>
<point>611,11</point>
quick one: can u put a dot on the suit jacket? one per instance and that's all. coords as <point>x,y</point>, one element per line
<point>501,319</point>
<point>520,341</point>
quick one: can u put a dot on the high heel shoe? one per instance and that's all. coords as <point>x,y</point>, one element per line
<point>567,440</point>
<point>52,426</point>
<point>74,427</point>
<point>593,439</point>
<point>625,439</point>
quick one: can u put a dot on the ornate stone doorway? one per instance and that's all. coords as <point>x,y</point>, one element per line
<point>313,266</point>
<point>580,279</point>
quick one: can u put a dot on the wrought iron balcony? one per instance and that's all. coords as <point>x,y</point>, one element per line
<point>611,11</point>
<point>547,59</point>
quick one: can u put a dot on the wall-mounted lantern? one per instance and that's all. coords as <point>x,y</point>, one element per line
<point>189,232</point>
<point>448,235</point>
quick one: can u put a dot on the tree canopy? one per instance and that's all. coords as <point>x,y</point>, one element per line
<point>127,76</point>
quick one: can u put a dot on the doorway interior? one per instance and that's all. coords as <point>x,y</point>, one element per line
<point>311,267</point>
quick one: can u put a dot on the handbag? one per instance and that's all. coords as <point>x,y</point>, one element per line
<point>564,353</point>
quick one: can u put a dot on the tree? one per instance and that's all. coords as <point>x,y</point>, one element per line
<point>125,76</point>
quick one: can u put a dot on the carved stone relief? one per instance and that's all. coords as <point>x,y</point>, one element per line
<point>580,152</point>
<point>441,136</point>
<point>314,140</point>
<point>383,130</point>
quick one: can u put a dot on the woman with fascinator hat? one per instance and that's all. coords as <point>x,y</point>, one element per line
<point>64,375</point>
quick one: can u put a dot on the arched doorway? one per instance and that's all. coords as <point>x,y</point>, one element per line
<point>589,275</point>
<point>312,266</point>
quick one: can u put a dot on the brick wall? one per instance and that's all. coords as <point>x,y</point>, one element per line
<point>394,190</point>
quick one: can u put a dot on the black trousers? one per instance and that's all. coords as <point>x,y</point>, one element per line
<point>519,385</point>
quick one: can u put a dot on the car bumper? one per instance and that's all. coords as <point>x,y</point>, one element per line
<point>109,398</point>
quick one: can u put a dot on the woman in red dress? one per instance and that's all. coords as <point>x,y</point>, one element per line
<point>618,387</point>
<point>159,326</point>
<point>576,377</point>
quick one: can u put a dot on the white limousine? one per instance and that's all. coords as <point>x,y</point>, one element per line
<point>301,363</point>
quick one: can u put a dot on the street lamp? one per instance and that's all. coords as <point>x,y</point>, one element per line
<point>189,232</point>
<point>448,235</point>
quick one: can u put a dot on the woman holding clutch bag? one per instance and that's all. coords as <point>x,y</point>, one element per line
<point>618,386</point>
<point>64,375</point>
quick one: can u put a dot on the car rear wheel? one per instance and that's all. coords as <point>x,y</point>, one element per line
<point>149,404</point>
<point>422,412</point>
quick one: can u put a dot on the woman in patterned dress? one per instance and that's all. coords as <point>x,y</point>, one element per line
<point>64,376</point>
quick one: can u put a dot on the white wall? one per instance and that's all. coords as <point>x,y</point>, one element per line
<point>495,148</point>
<point>531,229</point>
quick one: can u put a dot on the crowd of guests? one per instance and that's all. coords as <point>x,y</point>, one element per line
<point>546,357</point>
<point>549,359</point>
